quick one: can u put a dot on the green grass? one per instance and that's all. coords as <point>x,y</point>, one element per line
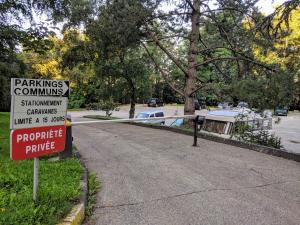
<point>58,186</point>
<point>77,109</point>
<point>94,186</point>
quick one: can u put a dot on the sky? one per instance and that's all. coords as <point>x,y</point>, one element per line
<point>267,6</point>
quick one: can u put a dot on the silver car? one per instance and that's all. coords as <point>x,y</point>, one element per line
<point>151,114</point>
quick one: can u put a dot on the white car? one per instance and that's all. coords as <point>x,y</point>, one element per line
<point>151,114</point>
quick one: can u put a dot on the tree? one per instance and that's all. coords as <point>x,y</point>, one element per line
<point>51,64</point>
<point>284,54</point>
<point>118,51</point>
<point>11,36</point>
<point>14,37</point>
<point>138,22</point>
<point>119,70</point>
<point>284,11</point>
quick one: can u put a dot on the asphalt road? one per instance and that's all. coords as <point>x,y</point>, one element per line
<point>288,129</point>
<point>156,177</point>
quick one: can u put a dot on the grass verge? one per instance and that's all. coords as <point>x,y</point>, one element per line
<point>59,186</point>
<point>77,109</point>
<point>94,186</point>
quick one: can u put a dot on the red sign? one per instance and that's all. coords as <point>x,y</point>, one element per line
<point>38,141</point>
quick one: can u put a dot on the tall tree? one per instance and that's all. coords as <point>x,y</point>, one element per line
<point>133,22</point>
<point>229,36</point>
<point>168,23</point>
<point>12,36</point>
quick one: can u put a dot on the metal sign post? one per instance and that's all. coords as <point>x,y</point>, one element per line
<point>37,120</point>
<point>35,178</point>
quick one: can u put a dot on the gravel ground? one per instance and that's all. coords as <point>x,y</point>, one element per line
<point>289,130</point>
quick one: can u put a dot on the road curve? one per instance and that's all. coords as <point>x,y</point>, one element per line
<point>156,177</point>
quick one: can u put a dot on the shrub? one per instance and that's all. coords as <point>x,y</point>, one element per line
<point>77,99</point>
<point>108,106</point>
<point>243,132</point>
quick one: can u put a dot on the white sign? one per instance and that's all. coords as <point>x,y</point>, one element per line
<point>39,87</point>
<point>38,111</point>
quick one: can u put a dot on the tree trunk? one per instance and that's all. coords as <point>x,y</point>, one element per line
<point>130,81</point>
<point>191,71</point>
<point>190,85</point>
<point>189,104</point>
<point>132,99</point>
<point>132,110</point>
<point>133,95</point>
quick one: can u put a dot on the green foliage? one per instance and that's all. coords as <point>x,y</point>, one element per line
<point>263,92</point>
<point>107,59</point>
<point>243,90</point>
<point>118,24</point>
<point>77,99</point>
<point>165,92</point>
<point>106,105</point>
<point>11,68</point>
<point>14,14</point>
<point>244,132</point>
<point>58,186</point>
<point>94,186</point>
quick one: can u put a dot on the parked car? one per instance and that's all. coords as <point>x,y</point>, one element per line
<point>243,105</point>
<point>281,111</point>
<point>197,105</point>
<point>155,102</point>
<point>224,105</point>
<point>151,114</point>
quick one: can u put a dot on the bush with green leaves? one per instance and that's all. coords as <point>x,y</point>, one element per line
<point>77,99</point>
<point>94,186</point>
<point>106,105</point>
<point>244,132</point>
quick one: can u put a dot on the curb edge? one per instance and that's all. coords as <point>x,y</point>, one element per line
<point>77,213</point>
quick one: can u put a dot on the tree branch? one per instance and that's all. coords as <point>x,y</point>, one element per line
<point>235,58</point>
<point>170,14</point>
<point>190,4</point>
<point>168,53</point>
<point>168,37</point>
<point>163,73</point>
<point>284,10</point>
<point>226,8</point>
<point>202,86</point>
<point>209,55</point>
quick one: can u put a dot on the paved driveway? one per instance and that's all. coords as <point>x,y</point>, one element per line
<point>156,177</point>
<point>288,128</point>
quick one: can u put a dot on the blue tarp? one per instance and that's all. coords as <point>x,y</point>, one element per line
<point>177,123</point>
